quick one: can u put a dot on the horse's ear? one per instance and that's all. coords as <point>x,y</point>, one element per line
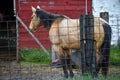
<point>38,7</point>
<point>33,9</point>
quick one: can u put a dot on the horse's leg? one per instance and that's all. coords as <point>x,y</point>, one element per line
<point>99,58</point>
<point>98,68</point>
<point>61,53</point>
<point>105,65</point>
<point>106,49</point>
<point>64,62</point>
<point>68,59</point>
<point>69,64</point>
<point>105,52</point>
<point>105,60</point>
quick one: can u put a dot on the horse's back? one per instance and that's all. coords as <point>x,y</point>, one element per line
<point>67,32</point>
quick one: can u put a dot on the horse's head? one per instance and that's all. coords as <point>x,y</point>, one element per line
<point>35,20</point>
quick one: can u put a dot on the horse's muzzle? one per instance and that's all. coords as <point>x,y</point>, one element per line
<point>31,30</point>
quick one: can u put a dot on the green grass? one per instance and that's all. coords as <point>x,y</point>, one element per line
<point>34,55</point>
<point>115,56</point>
<point>37,55</point>
<point>117,77</point>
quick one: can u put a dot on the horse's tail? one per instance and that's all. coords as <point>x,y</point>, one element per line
<point>105,49</point>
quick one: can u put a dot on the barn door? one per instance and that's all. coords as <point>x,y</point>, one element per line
<point>7,30</point>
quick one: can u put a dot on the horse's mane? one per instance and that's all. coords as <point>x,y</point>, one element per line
<point>47,18</point>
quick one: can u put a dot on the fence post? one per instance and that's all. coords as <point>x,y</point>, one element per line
<point>88,58</point>
<point>105,16</point>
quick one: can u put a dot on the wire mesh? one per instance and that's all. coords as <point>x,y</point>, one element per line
<point>37,66</point>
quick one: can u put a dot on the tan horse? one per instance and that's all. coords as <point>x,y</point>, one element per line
<point>64,35</point>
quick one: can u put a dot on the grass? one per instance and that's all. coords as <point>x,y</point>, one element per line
<point>38,55</point>
<point>90,78</point>
<point>115,56</point>
<point>34,56</point>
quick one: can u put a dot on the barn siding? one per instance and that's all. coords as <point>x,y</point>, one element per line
<point>70,8</point>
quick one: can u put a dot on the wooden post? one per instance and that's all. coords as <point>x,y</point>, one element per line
<point>105,15</point>
<point>88,58</point>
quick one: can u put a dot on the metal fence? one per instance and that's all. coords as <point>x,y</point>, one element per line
<point>7,40</point>
<point>41,69</point>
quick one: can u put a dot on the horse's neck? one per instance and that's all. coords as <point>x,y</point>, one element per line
<point>48,23</point>
<point>48,18</point>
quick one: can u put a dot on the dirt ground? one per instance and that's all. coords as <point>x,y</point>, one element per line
<point>18,71</point>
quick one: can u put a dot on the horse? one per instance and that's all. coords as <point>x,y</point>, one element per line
<point>64,34</point>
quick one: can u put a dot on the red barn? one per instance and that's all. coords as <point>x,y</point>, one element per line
<point>70,8</point>
<point>8,33</point>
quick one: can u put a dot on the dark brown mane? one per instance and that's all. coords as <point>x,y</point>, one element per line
<point>47,18</point>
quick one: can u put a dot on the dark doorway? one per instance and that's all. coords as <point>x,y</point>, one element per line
<point>7,30</point>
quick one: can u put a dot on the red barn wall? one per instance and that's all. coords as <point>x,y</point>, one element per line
<point>70,8</point>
